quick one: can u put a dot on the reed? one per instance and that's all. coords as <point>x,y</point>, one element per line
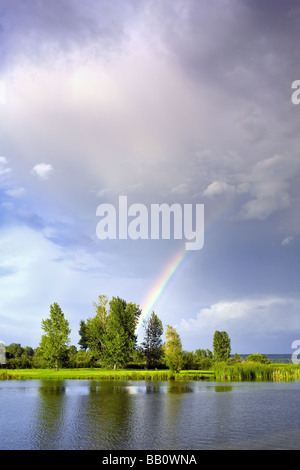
<point>4,375</point>
<point>255,371</point>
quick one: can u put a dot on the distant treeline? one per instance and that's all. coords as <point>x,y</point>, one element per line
<point>275,358</point>
<point>18,357</point>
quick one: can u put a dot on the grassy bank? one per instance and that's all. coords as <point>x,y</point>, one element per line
<point>221,372</point>
<point>101,374</point>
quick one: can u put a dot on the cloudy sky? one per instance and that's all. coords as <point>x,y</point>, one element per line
<point>162,101</point>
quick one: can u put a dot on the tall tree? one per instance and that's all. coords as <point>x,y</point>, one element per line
<point>102,308</point>
<point>93,330</point>
<point>120,338</point>
<point>153,344</point>
<point>173,349</point>
<point>54,343</point>
<point>221,346</point>
<point>96,327</point>
<point>83,333</point>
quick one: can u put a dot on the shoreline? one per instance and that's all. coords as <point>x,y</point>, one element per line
<point>220,372</point>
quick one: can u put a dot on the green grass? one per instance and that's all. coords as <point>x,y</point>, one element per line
<point>256,371</point>
<point>221,372</point>
<point>101,374</point>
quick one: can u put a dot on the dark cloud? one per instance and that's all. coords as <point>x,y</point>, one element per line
<point>233,44</point>
<point>39,29</point>
<point>164,101</point>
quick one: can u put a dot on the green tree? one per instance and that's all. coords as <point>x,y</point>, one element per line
<point>237,358</point>
<point>38,360</point>
<point>54,343</point>
<point>203,353</point>
<point>92,331</point>
<point>28,351</point>
<point>102,308</point>
<point>83,333</point>
<point>173,349</point>
<point>153,344</point>
<point>260,358</point>
<point>96,331</point>
<point>14,350</point>
<point>221,346</point>
<point>189,360</point>
<point>18,357</point>
<point>120,337</point>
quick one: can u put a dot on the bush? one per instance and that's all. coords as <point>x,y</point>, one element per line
<point>259,358</point>
<point>205,363</point>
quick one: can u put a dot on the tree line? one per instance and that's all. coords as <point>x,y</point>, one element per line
<point>108,339</point>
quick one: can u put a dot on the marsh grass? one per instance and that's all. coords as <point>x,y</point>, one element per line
<point>102,374</point>
<point>87,374</point>
<point>220,372</point>
<point>255,371</point>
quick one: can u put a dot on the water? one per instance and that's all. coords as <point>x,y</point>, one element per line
<point>80,414</point>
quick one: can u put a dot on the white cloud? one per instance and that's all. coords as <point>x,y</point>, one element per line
<point>181,188</point>
<point>260,315</point>
<point>267,186</point>
<point>16,192</point>
<point>264,205</point>
<point>36,273</point>
<point>217,188</point>
<point>4,171</point>
<point>287,240</point>
<point>42,170</point>
<point>32,279</point>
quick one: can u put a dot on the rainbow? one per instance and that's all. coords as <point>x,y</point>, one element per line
<point>168,272</point>
<point>157,289</point>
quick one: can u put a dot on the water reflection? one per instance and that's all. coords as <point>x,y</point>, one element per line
<point>147,415</point>
<point>105,415</point>
<point>48,417</point>
<point>52,387</point>
<point>180,388</point>
<point>134,389</point>
<point>223,388</point>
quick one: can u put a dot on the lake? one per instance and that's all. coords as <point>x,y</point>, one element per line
<point>108,415</point>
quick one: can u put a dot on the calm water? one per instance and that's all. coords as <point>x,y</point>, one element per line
<point>79,414</point>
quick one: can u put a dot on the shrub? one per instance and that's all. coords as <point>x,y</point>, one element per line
<point>260,358</point>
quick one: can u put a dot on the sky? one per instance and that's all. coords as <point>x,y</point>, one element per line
<point>164,102</point>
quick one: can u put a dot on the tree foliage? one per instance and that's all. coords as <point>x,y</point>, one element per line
<point>221,346</point>
<point>153,344</point>
<point>84,335</point>
<point>260,358</point>
<point>120,337</point>
<point>54,343</point>
<point>92,332</point>
<point>110,335</point>
<point>109,339</point>
<point>173,349</point>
